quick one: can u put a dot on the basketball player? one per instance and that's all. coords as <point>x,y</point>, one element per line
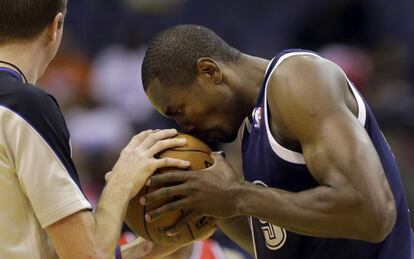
<point>41,201</point>
<point>320,180</point>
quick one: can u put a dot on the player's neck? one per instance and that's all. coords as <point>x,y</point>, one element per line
<point>26,56</point>
<point>251,71</point>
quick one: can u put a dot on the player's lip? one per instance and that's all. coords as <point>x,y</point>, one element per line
<point>201,135</point>
<point>209,136</point>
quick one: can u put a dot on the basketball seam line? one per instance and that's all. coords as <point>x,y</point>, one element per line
<point>145,212</point>
<point>188,150</point>
<point>188,226</point>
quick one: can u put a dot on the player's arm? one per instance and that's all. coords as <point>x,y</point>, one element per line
<point>88,235</point>
<point>354,199</point>
<point>238,230</point>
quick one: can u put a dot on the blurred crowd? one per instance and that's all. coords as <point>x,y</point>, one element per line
<point>97,81</point>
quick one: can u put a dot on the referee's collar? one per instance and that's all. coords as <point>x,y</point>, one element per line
<point>5,71</point>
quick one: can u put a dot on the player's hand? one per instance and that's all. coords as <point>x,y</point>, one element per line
<point>209,192</point>
<point>137,162</point>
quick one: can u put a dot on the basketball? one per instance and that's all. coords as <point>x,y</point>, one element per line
<point>198,154</point>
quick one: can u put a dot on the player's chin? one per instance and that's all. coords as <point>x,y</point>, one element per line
<point>228,138</point>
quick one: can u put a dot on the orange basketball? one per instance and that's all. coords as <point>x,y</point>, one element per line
<point>198,153</point>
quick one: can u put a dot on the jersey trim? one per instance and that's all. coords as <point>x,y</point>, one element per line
<point>285,153</point>
<point>362,113</point>
<point>76,204</point>
<point>253,239</point>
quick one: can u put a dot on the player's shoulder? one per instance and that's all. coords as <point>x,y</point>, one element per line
<point>302,72</point>
<point>298,64</point>
<point>304,82</point>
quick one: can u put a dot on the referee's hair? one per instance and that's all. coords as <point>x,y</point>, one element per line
<point>26,19</point>
<point>172,55</point>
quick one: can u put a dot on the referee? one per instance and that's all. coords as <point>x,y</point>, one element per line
<point>43,212</point>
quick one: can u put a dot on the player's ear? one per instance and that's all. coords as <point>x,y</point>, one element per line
<point>54,28</point>
<point>208,69</point>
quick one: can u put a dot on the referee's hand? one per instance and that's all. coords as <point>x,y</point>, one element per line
<point>137,162</point>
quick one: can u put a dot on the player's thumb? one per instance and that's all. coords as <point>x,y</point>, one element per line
<point>108,176</point>
<point>220,155</point>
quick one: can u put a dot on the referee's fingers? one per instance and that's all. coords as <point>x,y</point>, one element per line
<point>137,139</point>
<point>155,136</point>
<point>165,144</point>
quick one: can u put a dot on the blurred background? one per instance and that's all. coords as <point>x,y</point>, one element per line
<point>96,75</point>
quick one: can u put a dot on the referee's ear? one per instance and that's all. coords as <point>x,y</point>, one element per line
<point>54,29</point>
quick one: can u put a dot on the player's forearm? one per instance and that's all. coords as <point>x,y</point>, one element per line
<point>322,211</point>
<point>110,214</point>
<point>238,230</point>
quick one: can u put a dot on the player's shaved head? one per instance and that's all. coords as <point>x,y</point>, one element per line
<point>26,19</point>
<point>173,54</point>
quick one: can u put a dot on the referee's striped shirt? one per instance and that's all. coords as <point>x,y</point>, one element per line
<point>39,184</point>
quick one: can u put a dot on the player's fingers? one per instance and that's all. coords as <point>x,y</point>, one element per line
<point>163,194</point>
<point>155,136</point>
<point>137,139</point>
<point>182,222</point>
<point>162,145</point>
<point>168,178</point>
<point>172,206</point>
<point>218,157</point>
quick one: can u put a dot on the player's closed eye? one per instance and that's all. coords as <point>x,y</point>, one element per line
<point>171,111</point>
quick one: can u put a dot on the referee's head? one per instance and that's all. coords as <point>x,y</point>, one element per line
<point>26,21</point>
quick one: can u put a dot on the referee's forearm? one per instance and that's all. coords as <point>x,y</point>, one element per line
<point>110,215</point>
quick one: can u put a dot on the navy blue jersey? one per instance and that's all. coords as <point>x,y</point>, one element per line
<point>269,164</point>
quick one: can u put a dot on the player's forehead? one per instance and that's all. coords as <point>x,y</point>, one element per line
<point>164,96</point>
